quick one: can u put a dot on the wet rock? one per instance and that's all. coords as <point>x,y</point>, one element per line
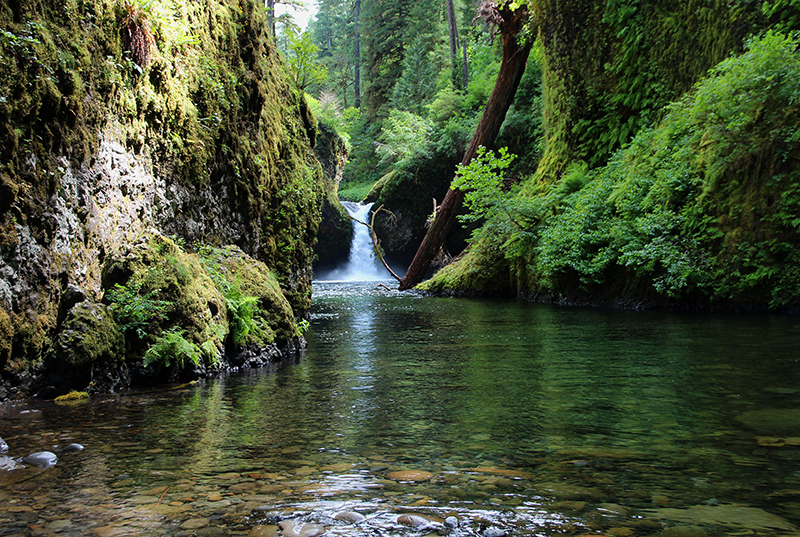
<point>416,476</point>
<point>416,520</point>
<point>495,532</point>
<point>294,528</point>
<point>566,491</point>
<point>72,448</point>
<point>3,446</point>
<point>42,459</point>
<point>505,472</point>
<point>264,531</point>
<point>613,509</point>
<point>683,531</point>
<point>350,517</point>
<point>451,522</point>
<point>195,523</point>
<point>7,463</point>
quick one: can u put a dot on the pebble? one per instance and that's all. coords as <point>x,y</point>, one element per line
<point>264,531</point>
<point>415,476</point>
<point>42,459</point>
<point>350,516</point>
<point>416,520</point>
<point>293,528</point>
<point>72,448</point>
<point>7,463</point>
<point>195,523</point>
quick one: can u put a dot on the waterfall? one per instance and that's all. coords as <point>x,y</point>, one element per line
<point>362,265</point>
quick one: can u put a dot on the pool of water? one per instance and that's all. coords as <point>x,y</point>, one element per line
<point>411,415</point>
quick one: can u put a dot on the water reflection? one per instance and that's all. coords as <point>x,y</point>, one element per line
<point>528,419</point>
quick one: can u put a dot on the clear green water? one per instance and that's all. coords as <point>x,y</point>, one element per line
<point>532,420</point>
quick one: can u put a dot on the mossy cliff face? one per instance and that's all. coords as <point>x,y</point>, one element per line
<point>117,117</point>
<point>611,66</point>
<point>335,232</point>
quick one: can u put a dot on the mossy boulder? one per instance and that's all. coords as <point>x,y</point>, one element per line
<point>89,351</point>
<point>408,193</point>
<point>153,285</point>
<point>89,335</point>
<point>239,276</point>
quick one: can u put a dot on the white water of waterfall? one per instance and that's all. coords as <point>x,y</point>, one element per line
<point>362,265</point>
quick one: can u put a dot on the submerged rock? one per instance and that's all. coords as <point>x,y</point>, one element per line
<point>295,528</point>
<point>410,475</point>
<point>42,459</point>
<point>72,448</point>
<point>772,420</point>
<point>350,516</point>
<point>416,520</point>
<point>735,516</point>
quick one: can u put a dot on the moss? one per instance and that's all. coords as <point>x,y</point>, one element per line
<point>246,277</point>
<point>156,266</point>
<point>211,107</point>
<point>72,396</point>
<point>481,270</point>
<point>88,335</point>
<point>609,67</point>
<point>700,211</point>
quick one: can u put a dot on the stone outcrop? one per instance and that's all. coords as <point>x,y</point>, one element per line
<point>203,140</point>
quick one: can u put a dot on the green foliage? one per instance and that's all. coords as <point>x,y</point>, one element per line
<point>172,349</point>
<point>783,15</point>
<point>136,309</point>
<point>484,66</point>
<point>242,310</point>
<point>405,136</point>
<point>482,183</point>
<point>703,208</point>
<point>417,84</point>
<point>302,58</point>
<point>327,109</point>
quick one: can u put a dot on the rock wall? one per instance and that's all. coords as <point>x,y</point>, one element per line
<point>335,232</point>
<point>202,139</point>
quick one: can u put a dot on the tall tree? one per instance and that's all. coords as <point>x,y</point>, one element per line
<point>357,53</point>
<point>452,27</point>
<point>515,56</point>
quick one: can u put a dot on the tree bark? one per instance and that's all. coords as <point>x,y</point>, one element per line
<point>453,30</point>
<point>271,17</point>
<point>511,70</point>
<point>357,55</point>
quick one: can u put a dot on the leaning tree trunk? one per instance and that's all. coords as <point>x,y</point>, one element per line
<point>515,56</point>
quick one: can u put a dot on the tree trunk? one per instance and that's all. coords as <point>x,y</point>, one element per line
<point>453,30</point>
<point>357,54</point>
<point>466,65</point>
<point>271,17</point>
<point>513,66</point>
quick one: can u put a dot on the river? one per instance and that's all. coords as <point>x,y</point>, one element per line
<point>469,417</point>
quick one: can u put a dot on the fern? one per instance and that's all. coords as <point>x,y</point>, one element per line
<point>172,349</point>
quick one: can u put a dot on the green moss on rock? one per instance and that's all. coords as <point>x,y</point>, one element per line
<point>156,267</point>
<point>237,274</point>
<point>89,335</point>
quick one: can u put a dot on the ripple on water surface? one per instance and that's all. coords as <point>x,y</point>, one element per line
<point>411,415</point>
